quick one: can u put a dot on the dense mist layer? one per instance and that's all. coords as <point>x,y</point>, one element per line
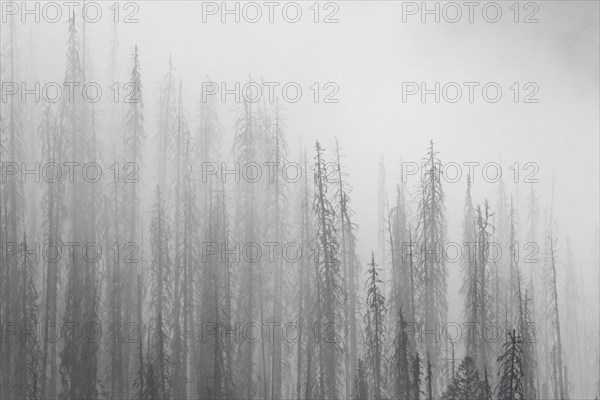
<point>294,200</point>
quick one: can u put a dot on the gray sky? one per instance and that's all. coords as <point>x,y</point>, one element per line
<point>369,53</point>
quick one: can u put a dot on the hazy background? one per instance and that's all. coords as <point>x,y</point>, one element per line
<point>369,53</point>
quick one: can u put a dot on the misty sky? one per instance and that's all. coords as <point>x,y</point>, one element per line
<point>368,54</point>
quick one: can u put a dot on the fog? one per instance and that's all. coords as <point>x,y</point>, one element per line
<point>374,67</point>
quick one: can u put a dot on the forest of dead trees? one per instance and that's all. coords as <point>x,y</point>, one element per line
<point>173,311</point>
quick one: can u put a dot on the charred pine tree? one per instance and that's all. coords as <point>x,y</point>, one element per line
<point>523,316</point>
<point>329,282</point>
<point>375,330</point>
<point>78,366</point>
<point>526,328</point>
<point>512,284</point>
<point>133,145</point>
<point>167,124</point>
<point>151,389</point>
<point>400,373</point>
<point>470,282</point>
<point>265,126</point>
<point>278,232</point>
<point>432,274</point>
<point>402,289</point>
<point>247,217</point>
<point>13,201</point>
<point>184,248</point>
<point>185,215</point>
<point>229,376</point>
<point>416,374</point>
<point>573,295</point>
<point>304,294</point>
<point>535,274</point>
<point>90,203</point>
<point>497,290</point>
<point>502,236</point>
<point>208,140</point>
<point>214,376</point>
<point>429,379</point>
<point>533,222</point>
<point>161,294</point>
<point>480,297</point>
<point>557,352</point>
<point>53,203</point>
<point>190,254</point>
<point>213,218</point>
<point>26,378</point>
<point>112,224</point>
<point>348,259</point>
<point>412,274</point>
<point>224,373</point>
<point>140,383</point>
<point>510,386</point>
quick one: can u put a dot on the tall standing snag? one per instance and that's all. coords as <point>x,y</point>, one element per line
<point>329,288</point>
